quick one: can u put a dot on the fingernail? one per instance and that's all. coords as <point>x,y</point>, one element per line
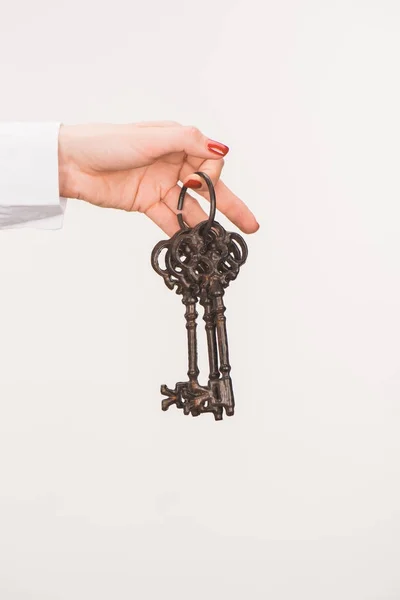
<point>193,184</point>
<point>217,148</point>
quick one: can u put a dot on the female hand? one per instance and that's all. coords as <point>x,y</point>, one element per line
<point>137,167</point>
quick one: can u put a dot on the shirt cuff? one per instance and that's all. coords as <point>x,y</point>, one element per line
<point>29,186</point>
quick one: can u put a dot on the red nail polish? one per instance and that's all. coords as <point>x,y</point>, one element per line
<point>193,184</point>
<point>217,148</point>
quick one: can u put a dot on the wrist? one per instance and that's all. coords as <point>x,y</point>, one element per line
<point>64,162</point>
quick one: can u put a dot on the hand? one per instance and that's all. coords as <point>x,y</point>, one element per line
<point>136,167</point>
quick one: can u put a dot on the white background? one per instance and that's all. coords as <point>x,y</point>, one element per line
<point>102,495</point>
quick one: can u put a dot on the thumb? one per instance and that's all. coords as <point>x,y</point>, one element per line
<point>158,141</point>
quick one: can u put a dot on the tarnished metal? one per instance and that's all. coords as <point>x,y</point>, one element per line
<point>200,263</point>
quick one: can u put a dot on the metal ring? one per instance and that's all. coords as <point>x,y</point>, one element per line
<point>213,203</point>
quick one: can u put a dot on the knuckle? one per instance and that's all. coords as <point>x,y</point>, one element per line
<point>193,131</point>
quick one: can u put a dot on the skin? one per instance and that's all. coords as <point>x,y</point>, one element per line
<point>137,167</point>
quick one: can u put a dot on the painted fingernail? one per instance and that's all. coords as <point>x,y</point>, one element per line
<point>193,184</point>
<point>217,148</point>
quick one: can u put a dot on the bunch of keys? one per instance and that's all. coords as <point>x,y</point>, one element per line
<point>200,262</point>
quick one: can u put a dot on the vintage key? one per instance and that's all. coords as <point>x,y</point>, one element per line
<point>200,262</point>
<point>180,273</point>
<point>226,253</point>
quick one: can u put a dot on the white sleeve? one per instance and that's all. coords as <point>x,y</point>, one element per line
<point>29,187</point>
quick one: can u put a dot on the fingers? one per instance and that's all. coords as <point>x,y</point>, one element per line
<point>212,168</point>
<point>203,154</point>
<point>227,202</point>
<point>235,209</point>
<point>158,141</point>
<point>164,217</point>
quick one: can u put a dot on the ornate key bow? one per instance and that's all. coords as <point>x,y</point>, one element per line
<point>200,262</point>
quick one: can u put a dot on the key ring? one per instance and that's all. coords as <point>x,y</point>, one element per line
<point>213,203</point>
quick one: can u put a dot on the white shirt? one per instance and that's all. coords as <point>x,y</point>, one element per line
<point>29,186</point>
